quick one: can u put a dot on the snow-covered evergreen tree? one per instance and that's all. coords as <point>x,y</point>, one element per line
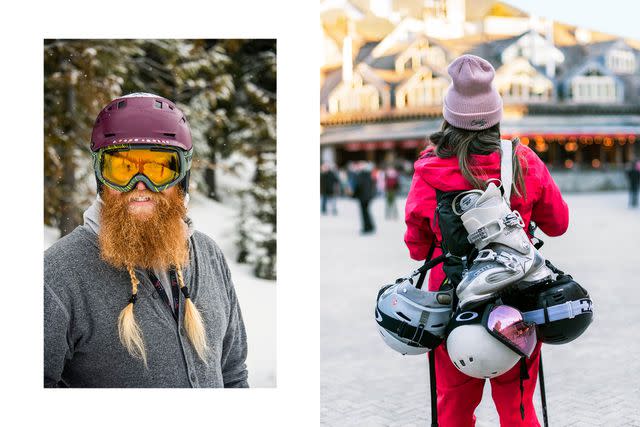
<point>254,130</point>
<point>227,88</point>
<point>80,76</point>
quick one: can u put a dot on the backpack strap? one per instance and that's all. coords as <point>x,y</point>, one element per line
<point>506,168</point>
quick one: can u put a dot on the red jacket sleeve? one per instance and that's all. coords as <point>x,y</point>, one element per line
<point>550,211</point>
<point>420,204</point>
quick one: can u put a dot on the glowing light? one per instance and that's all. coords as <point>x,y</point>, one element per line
<point>542,148</point>
<point>568,163</point>
<point>595,163</point>
<point>571,146</point>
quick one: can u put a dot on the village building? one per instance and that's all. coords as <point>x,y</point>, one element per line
<point>570,94</point>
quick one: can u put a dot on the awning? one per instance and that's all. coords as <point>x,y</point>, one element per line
<point>546,126</point>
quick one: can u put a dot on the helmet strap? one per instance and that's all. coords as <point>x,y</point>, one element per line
<point>185,183</point>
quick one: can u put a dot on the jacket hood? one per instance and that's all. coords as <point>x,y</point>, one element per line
<point>445,175</point>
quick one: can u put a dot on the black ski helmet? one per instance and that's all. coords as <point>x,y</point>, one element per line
<point>561,309</point>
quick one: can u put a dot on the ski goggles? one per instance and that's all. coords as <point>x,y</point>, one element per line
<point>121,167</point>
<point>508,325</point>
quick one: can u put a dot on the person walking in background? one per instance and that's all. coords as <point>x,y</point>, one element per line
<point>378,176</point>
<point>633,174</point>
<point>364,190</point>
<point>391,185</point>
<point>470,135</point>
<point>352,175</point>
<point>343,183</point>
<point>328,189</point>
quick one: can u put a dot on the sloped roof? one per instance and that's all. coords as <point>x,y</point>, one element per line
<point>422,69</point>
<point>364,52</point>
<point>492,50</point>
<point>601,48</point>
<point>387,62</point>
<point>373,28</point>
<point>580,68</point>
<point>503,9</point>
<point>332,80</point>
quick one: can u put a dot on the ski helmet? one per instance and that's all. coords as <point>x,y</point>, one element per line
<point>142,120</point>
<point>486,342</point>
<point>562,310</point>
<point>410,320</point>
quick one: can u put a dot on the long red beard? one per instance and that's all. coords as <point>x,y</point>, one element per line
<point>156,241</point>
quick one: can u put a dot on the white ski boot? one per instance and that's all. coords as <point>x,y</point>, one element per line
<point>506,260</point>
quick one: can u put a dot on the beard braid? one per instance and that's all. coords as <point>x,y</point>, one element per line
<point>156,241</point>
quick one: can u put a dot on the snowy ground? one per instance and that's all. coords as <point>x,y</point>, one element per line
<point>591,381</point>
<point>257,297</point>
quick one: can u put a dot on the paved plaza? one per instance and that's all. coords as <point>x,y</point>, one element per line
<point>593,381</point>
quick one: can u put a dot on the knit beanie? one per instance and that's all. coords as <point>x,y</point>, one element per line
<point>472,102</point>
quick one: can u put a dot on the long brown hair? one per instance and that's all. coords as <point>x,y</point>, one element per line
<point>452,141</point>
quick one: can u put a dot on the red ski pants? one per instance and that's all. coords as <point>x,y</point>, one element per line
<point>459,394</point>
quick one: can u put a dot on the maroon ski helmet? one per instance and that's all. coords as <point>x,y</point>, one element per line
<point>141,118</point>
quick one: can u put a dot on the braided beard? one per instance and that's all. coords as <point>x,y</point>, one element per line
<point>155,241</point>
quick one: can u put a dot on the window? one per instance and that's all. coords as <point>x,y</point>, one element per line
<point>421,90</point>
<point>522,87</point>
<point>593,88</point>
<point>355,96</point>
<point>621,61</point>
<point>420,55</point>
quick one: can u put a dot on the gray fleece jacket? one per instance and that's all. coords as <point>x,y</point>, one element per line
<point>83,296</point>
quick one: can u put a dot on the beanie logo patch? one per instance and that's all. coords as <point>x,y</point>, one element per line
<point>478,122</point>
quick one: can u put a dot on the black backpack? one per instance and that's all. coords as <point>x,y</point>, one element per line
<point>459,251</point>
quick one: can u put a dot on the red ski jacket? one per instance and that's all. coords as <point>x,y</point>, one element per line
<point>543,204</point>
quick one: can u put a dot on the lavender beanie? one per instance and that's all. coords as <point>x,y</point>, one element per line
<point>472,102</point>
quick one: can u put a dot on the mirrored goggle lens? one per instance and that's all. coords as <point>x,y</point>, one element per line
<point>507,322</point>
<point>161,167</point>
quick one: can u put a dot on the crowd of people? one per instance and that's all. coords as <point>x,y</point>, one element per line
<point>363,181</point>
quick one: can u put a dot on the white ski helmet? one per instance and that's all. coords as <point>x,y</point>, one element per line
<point>410,320</point>
<point>488,341</point>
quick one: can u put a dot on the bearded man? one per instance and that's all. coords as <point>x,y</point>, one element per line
<point>136,297</point>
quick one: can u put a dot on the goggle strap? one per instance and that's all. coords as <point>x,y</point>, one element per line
<point>567,310</point>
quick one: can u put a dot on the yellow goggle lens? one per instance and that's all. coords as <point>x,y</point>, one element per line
<point>161,167</point>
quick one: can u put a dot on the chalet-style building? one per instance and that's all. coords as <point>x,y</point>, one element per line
<point>569,95</point>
